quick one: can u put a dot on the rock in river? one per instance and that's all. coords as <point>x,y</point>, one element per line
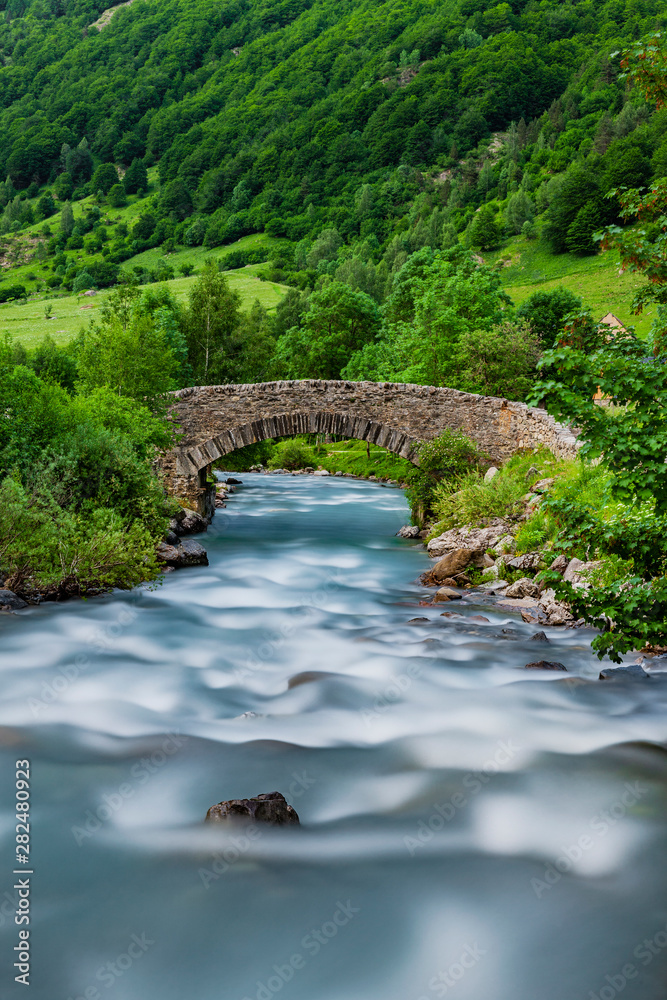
<point>186,553</point>
<point>474,539</point>
<point>451,564</point>
<point>525,587</point>
<point>545,665</point>
<point>271,807</point>
<point>446,594</point>
<point>10,602</point>
<point>631,671</point>
<point>188,522</point>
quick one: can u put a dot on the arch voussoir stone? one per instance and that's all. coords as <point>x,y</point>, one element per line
<point>215,420</point>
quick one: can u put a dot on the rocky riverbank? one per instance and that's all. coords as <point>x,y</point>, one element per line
<point>491,549</point>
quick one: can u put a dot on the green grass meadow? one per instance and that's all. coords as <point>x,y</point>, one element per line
<point>27,323</point>
<point>528,267</point>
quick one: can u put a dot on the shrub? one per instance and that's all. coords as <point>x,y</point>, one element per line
<point>448,456</point>
<point>292,454</point>
<point>51,550</point>
<point>11,292</point>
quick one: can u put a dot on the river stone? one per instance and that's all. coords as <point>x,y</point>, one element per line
<point>451,564</point>
<point>506,544</point>
<point>577,572</point>
<point>482,560</point>
<point>560,564</point>
<point>475,539</point>
<point>555,611</point>
<point>10,602</point>
<point>167,553</point>
<point>192,553</point>
<point>539,637</point>
<point>186,553</point>
<point>523,588</point>
<point>542,485</point>
<point>234,482</point>
<point>545,665</point>
<point>188,522</point>
<point>531,560</point>
<point>447,594</point>
<point>493,586</point>
<point>517,603</point>
<point>408,531</point>
<point>271,807</point>
<point>629,672</point>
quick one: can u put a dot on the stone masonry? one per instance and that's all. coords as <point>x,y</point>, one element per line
<point>218,419</point>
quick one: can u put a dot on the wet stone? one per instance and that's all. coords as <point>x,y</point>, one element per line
<point>271,807</point>
<point>631,672</point>
<point>545,665</point>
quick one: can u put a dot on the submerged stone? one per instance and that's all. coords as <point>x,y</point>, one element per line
<point>545,665</point>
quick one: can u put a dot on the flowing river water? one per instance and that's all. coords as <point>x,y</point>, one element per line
<point>469,829</point>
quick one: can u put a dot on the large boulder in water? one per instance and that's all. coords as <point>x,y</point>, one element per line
<point>271,807</point>
<point>451,564</point>
<point>188,522</point>
<point>186,553</point>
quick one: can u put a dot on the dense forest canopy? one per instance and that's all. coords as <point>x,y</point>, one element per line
<point>296,115</point>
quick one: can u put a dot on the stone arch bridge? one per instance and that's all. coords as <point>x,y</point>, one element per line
<point>217,419</point>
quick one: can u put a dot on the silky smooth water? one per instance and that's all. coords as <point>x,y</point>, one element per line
<point>469,829</point>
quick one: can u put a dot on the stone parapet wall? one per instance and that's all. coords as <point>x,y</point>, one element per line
<point>218,419</point>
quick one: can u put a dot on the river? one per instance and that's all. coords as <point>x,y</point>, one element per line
<point>469,829</point>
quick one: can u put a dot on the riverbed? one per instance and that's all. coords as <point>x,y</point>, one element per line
<point>469,829</point>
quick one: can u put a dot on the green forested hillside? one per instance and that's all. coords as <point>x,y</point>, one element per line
<point>388,124</point>
<point>409,191</point>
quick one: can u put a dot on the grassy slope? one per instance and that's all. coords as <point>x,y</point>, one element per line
<point>531,268</point>
<point>528,267</point>
<point>28,324</point>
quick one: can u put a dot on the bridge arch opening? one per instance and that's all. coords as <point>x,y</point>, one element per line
<point>191,461</point>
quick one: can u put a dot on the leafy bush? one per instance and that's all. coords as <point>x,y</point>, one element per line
<point>11,292</point>
<point>468,499</point>
<point>239,258</point>
<point>446,457</point>
<point>292,454</point>
<point>46,549</point>
<point>501,361</point>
